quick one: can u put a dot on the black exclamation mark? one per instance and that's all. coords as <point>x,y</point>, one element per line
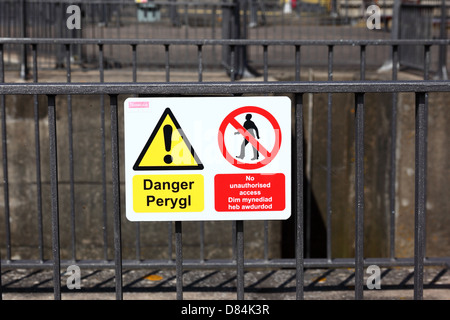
<point>168,142</point>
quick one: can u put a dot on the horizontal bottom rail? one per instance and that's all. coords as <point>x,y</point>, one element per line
<point>208,264</point>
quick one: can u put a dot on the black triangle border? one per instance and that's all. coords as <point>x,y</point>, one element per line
<point>167,112</point>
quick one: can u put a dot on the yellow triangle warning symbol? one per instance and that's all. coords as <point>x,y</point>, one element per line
<point>168,148</point>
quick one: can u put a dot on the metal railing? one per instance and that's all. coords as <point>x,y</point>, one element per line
<point>118,19</point>
<point>297,88</point>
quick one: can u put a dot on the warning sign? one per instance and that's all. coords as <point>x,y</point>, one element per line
<point>167,148</point>
<point>207,158</point>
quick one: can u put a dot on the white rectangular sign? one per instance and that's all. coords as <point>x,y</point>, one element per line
<point>207,158</point>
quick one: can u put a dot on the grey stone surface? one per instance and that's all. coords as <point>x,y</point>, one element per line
<point>319,284</point>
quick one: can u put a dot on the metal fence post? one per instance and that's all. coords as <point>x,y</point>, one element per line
<point>24,62</point>
<point>443,48</point>
<point>116,194</point>
<point>54,196</point>
<point>359,195</point>
<point>420,191</point>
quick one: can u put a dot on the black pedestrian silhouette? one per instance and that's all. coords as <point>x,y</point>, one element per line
<point>250,126</point>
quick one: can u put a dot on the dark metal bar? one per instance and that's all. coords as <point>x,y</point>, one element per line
<point>426,63</point>
<point>169,240</point>
<point>229,42</point>
<point>202,241</point>
<point>443,48</point>
<point>70,145</point>
<point>232,63</point>
<point>38,157</point>
<point>393,169</point>
<point>103,148</point>
<point>179,259</point>
<point>299,207</point>
<point>228,264</point>
<point>329,152</point>
<point>420,192</point>
<point>116,195</point>
<point>359,195</point>
<point>265,61</point>
<point>3,117</point>
<point>266,240</point>
<point>5,160</point>
<point>167,55</point>
<point>138,225</point>
<point>240,259</point>
<point>233,240</point>
<point>54,196</point>
<point>134,63</point>
<point>200,63</point>
<point>254,87</point>
<point>362,64</point>
<point>23,29</point>
<point>138,241</point>
<point>297,63</point>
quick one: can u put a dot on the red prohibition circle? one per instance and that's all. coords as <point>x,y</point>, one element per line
<point>268,155</point>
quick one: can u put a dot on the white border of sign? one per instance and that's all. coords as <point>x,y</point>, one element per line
<point>200,119</point>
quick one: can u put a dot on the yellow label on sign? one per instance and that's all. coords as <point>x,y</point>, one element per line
<point>168,193</point>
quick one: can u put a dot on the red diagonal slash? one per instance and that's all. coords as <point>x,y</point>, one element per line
<point>247,135</point>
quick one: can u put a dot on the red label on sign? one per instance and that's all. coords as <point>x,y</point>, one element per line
<point>249,192</point>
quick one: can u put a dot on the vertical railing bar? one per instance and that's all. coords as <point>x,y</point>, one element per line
<point>232,63</point>
<point>427,57</point>
<point>200,62</point>
<point>116,195</point>
<point>54,196</point>
<point>362,64</point>
<point>179,259</point>
<point>169,240</point>
<point>297,63</point>
<point>167,62</point>
<point>420,176</point>
<point>266,223</point>
<point>393,154</point>
<point>240,259</point>
<point>2,109</point>
<point>265,59</point>
<point>101,62</point>
<point>134,54</point>
<point>38,157</point>
<point>138,241</point>
<point>359,194</point>
<point>138,225</point>
<point>420,192</point>
<point>5,160</point>
<point>308,169</point>
<point>329,151</point>
<point>202,241</point>
<point>233,240</point>
<point>266,240</point>
<point>71,169</point>
<point>103,147</point>
<point>299,204</point>
<point>427,60</point>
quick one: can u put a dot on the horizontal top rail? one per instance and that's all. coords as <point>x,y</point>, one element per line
<point>236,42</point>
<point>223,88</point>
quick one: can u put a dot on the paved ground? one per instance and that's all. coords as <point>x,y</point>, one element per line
<point>319,284</point>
